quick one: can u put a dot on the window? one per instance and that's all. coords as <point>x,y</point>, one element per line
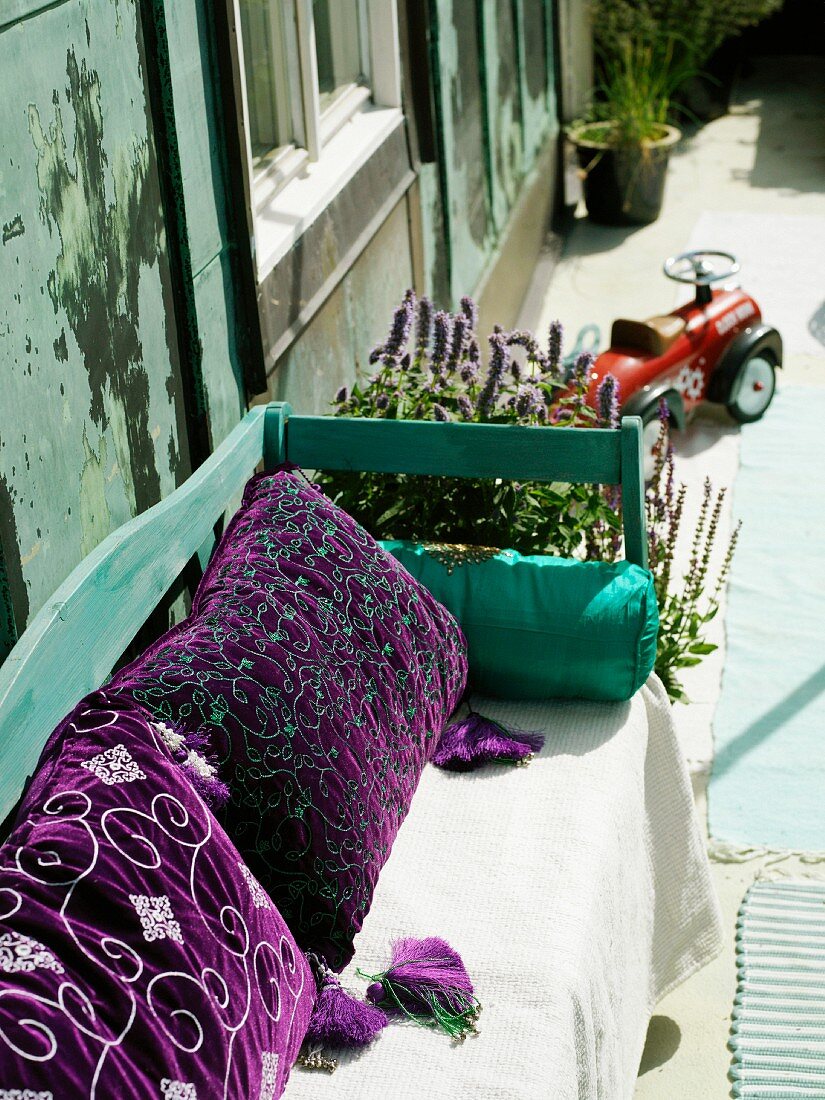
<point>310,67</point>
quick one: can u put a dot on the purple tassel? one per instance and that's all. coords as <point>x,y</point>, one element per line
<point>212,790</point>
<point>427,982</point>
<point>476,740</point>
<point>339,1019</point>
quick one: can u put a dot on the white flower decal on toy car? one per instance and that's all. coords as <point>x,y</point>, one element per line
<point>691,382</point>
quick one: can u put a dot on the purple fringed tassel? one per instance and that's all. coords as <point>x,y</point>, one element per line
<point>339,1019</point>
<point>475,740</point>
<point>428,982</point>
<point>212,790</point>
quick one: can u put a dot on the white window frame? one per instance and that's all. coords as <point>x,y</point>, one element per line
<point>292,190</point>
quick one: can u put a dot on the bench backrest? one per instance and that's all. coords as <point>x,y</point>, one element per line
<point>75,640</point>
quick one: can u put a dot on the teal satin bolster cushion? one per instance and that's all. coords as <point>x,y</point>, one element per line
<point>541,627</point>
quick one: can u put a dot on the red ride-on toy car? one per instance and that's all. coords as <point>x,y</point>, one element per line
<point>716,348</point>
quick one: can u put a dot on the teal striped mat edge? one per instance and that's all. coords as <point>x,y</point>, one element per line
<point>778,1020</point>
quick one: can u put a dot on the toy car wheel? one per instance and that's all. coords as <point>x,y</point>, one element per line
<point>754,388</point>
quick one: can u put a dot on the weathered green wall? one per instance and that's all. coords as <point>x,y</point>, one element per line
<point>495,104</point>
<point>353,319</point>
<point>91,404</point>
<point>122,347</point>
<point>209,232</point>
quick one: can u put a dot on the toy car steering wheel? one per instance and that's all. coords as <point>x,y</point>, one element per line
<point>700,268</point>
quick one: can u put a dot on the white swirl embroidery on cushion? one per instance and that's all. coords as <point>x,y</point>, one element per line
<point>7,911</point>
<point>19,953</point>
<point>269,1074</point>
<point>122,955</point>
<point>114,765</point>
<point>177,1090</point>
<point>291,970</point>
<point>40,857</point>
<point>181,1018</point>
<point>36,1042</point>
<point>266,965</point>
<point>79,1008</point>
<point>156,917</point>
<point>129,830</point>
<point>260,899</point>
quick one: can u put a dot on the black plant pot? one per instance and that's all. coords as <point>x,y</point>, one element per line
<point>624,185</point>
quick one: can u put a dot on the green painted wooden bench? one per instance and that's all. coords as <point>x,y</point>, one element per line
<point>74,641</point>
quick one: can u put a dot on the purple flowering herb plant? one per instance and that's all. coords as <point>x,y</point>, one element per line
<point>431,367</point>
<point>688,600</point>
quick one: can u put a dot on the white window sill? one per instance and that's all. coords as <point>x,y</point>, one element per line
<point>281,221</point>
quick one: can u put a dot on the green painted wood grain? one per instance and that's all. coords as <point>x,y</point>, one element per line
<point>192,72</point>
<point>226,343</point>
<point>502,87</point>
<point>460,112</point>
<point>455,450</point>
<point>539,115</point>
<point>218,328</point>
<point>495,108</point>
<point>633,491</point>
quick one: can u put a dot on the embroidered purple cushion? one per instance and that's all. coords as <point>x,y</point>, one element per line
<point>139,956</point>
<point>324,675</point>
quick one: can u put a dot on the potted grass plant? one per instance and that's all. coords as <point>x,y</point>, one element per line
<point>624,147</point>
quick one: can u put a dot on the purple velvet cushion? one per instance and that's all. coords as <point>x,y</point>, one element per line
<point>324,674</point>
<point>139,957</point>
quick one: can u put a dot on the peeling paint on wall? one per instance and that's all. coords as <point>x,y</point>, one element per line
<point>94,511</point>
<point>13,228</point>
<point>495,111</point>
<point>13,594</point>
<point>88,345</point>
<point>103,245</point>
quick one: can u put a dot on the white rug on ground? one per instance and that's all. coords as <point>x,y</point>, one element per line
<point>782,260</point>
<point>766,787</point>
<point>577,892</point>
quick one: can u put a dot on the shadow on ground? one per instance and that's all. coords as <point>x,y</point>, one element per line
<point>790,150</point>
<point>663,1038</point>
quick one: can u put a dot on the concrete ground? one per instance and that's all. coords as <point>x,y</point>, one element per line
<point>766,158</point>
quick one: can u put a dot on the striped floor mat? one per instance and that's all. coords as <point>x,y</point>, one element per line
<point>778,1030</point>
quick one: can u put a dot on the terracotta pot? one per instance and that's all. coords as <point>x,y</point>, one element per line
<point>623,184</point>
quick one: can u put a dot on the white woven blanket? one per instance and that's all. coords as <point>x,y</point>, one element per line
<point>577,891</point>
